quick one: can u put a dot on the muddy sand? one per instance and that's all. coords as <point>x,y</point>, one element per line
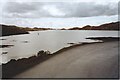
<point>98,60</point>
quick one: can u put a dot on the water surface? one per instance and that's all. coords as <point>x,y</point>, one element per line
<point>53,40</point>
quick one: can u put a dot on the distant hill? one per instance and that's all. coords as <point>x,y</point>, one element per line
<point>36,29</point>
<point>7,30</point>
<point>108,26</point>
<point>15,30</point>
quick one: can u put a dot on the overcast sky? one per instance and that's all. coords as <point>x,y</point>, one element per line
<point>29,11</point>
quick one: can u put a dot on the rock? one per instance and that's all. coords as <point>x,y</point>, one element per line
<point>40,53</point>
<point>47,52</point>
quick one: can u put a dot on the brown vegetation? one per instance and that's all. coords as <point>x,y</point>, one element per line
<point>36,29</point>
<point>108,26</point>
<point>11,30</point>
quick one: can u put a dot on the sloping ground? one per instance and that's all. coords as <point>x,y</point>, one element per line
<point>7,30</point>
<point>107,26</point>
<point>99,60</point>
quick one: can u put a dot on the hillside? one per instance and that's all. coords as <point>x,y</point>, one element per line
<point>108,26</point>
<point>36,29</point>
<point>7,30</point>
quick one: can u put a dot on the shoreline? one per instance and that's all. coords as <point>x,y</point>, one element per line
<point>98,60</point>
<point>22,64</point>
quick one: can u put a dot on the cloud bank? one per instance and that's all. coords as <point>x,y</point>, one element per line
<point>58,9</point>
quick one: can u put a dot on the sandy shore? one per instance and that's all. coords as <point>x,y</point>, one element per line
<point>98,60</point>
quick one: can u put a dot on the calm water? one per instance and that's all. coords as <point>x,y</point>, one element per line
<point>54,40</point>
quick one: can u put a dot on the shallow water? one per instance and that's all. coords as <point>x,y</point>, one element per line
<point>53,40</point>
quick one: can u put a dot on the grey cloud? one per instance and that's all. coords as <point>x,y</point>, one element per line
<point>88,9</point>
<point>35,9</point>
<point>14,7</point>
